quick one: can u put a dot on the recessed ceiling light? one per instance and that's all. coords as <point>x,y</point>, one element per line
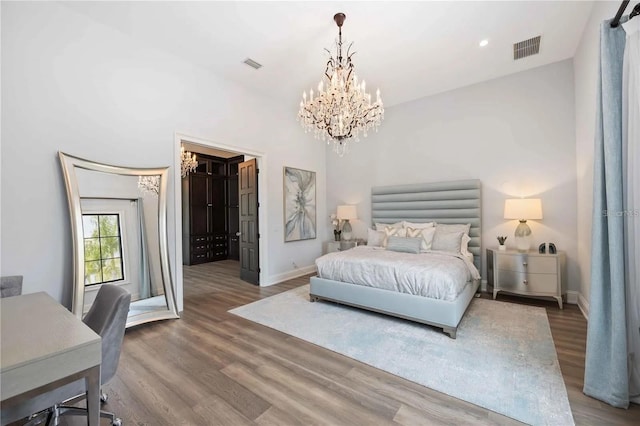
<point>484,42</point>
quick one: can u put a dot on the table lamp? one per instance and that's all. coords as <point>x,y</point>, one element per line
<point>346,213</point>
<point>523,209</point>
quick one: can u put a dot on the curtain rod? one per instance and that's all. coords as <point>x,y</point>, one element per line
<point>616,20</point>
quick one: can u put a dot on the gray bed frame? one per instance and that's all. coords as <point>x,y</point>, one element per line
<point>443,202</point>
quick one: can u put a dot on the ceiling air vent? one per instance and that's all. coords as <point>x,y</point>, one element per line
<point>252,63</point>
<point>526,48</point>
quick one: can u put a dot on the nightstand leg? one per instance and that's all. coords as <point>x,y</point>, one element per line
<point>559,299</point>
<point>495,293</point>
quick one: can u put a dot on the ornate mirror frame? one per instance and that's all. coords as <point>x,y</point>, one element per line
<point>69,165</point>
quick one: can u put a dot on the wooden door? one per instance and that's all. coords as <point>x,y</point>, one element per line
<point>249,236</point>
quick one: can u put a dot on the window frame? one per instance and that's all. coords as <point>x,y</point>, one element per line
<point>120,237</point>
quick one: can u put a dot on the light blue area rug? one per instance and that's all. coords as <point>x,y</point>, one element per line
<point>503,358</point>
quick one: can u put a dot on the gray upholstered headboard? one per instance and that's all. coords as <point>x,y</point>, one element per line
<point>443,202</point>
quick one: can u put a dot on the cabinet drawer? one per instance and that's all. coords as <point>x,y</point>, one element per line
<point>526,263</point>
<point>521,282</point>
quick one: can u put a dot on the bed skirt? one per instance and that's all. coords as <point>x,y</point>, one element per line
<point>435,312</point>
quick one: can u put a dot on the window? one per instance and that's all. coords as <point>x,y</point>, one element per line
<point>102,248</point>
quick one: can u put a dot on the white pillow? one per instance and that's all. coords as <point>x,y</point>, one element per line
<point>446,234</point>
<point>381,226</point>
<point>426,234</point>
<point>450,242</point>
<point>442,228</point>
<point>464,245</point>
<point>416,225</point>
<point>375,238</point>
<point>390,231</point>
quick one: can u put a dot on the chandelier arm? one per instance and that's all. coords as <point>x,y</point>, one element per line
<point>349,55</point>
<point>326,70</point>
<point>351,68</point>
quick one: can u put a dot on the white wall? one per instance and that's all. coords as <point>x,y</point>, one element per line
<point>516,134</point>
<point>585,64</point>
<point>71,84</point>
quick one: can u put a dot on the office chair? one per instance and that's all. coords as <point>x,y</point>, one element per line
<point>11,286</point>
<point>107,317</point>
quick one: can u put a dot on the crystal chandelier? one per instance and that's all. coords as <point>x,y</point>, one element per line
<point>188,162</point>
<point>342,109</point>
<point>150,184</point>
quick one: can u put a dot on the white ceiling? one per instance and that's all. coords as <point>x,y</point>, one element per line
<point>407,49</point>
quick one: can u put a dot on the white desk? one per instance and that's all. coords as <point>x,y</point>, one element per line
<point>44,346</point>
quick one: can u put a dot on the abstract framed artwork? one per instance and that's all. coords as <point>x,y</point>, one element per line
<point>299,204</point>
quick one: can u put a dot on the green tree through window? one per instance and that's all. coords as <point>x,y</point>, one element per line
<point>102,248</point>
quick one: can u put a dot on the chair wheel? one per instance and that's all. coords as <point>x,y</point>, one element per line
<point>117,422</point>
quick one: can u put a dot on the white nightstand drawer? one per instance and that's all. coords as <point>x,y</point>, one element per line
<point>521,282</point>
<point>526,263</point>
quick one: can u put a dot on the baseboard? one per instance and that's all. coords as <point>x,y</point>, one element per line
<point>295,273</point>
<point>572,297</point>
<point>583,304</point>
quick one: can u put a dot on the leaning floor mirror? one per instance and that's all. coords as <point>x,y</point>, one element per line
<point>119,229</point>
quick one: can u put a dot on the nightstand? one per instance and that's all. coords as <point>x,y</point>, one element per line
<point>332,246</point>
<point>346,245</point>
<point>527,274</point>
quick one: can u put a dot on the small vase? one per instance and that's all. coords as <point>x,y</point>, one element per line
<point>336,235</point>
<point>502,247</point>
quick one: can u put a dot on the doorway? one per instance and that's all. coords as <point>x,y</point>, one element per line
<point>221,212</point>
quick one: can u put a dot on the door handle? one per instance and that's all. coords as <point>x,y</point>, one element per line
<point>238,234</point>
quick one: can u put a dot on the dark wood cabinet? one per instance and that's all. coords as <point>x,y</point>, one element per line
<point>210,210</point>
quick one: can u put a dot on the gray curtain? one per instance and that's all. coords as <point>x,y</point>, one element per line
<point>631,158</point>
<point>606,372</point>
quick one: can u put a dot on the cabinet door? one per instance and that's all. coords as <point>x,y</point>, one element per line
<point>218,210</point>
<point>199,194</point>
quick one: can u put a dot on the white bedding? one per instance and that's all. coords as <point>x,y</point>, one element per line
<point>434,274</point>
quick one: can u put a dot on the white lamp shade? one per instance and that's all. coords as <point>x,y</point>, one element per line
<point>347,212</point>
<point>523,208</point>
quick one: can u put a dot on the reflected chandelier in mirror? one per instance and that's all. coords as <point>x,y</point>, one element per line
<point>119,230</point>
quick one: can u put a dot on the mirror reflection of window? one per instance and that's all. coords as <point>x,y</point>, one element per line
<point>102,248</point>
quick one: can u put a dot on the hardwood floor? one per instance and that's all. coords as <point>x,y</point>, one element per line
<point>214,368</point>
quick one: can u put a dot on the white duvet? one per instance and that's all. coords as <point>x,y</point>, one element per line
<point>434,274</point>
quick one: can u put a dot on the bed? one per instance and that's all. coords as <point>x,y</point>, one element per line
<point>453,202</point>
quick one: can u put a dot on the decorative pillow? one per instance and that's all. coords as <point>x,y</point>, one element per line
<point>375,238</point>
<point>416,225</point>
<point>381,226</point>
<point>404,245</point>
<point>449,241</point>
<point>426,234</point>
<point>390,231</point>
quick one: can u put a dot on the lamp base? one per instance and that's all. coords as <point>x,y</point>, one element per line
<point>523,236</point>
<point>346,230</point>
